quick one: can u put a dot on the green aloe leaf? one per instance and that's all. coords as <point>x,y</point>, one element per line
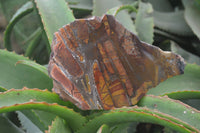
<point>189,81</point>
<point>172,22</point>
<point>20,13</point>
<point>14,96</point>
<point>59,126</point>
<point>35,119</point>
<point>6,126</point>
<point>192,16</point>
<point>114,11</point>
<point>81,8</point>
<point>197,3</point>
<point>163,6</point>
<point>182,95</point>
<point>34,65</point>
<point>27,124</point>
<point>74,119</point>
<point>36,37</point>
<point>80,4</point>
<point>136,114</point>
<point>54,14</point>
<point>31,119</point>
<point>129,127</point>
<point>2,89</point>
<point>144,22</point>
<point>25,27</point>
<point>100,7</point>
<point>169,36</point>
<point>43,100</point>
<point>188,57</point>
<point>45,117</point>
<point>86,5</point>
<point>173,108</point>
<point>27,73</point>
<point>104,129</point>
<point>41,52</point>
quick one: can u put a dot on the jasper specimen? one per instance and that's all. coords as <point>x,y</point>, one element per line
<point>98,64</point>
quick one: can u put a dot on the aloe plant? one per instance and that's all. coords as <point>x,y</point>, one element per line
<point>27,103</point>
